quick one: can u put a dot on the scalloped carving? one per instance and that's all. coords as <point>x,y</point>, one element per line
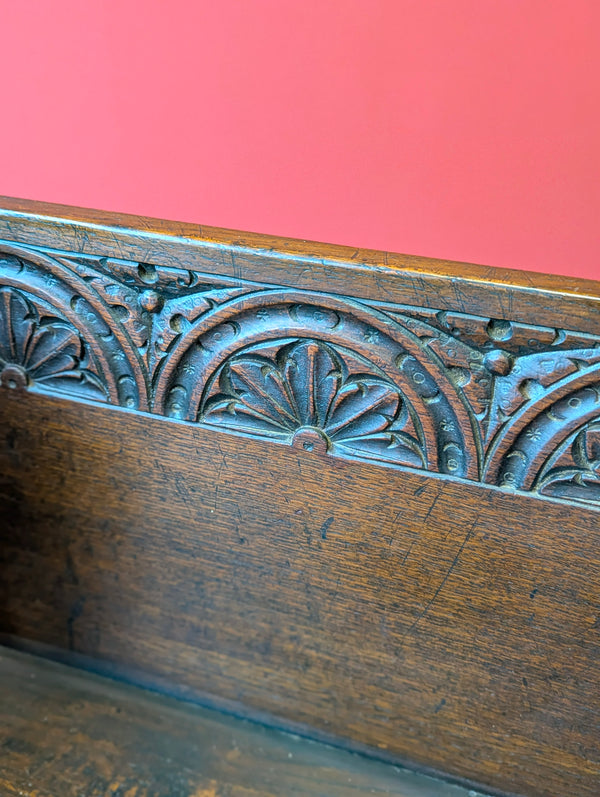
<point>490,400</point>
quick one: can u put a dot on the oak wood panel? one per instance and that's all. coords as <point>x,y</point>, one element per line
<point>487,399</point>
<point>363,273</point>
<point>447,624</point>
<point>67,734</point>
<point>349,491</point>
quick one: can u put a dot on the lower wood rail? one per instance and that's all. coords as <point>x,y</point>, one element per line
<point>348,492</point>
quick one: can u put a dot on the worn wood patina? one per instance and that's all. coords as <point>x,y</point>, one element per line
<point>351,492</point>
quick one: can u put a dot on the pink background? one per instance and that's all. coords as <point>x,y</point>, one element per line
<point>463,129</point>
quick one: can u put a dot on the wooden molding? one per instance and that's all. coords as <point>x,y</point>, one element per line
<point>438,388</point>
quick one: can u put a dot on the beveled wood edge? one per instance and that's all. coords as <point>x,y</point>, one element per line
<point>527,297</point>
<point>59,403</point>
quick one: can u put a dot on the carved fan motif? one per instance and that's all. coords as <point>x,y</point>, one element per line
<point>492,400</point>
<point>575,472</point>
<point>46,352</point>
<point>307,386</point>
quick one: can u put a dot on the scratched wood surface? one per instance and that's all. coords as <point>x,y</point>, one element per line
<point>439,367</point>
<point>442,623</point>
<point>68,734</point>
<point>362,273</point>
<point>349,491</point>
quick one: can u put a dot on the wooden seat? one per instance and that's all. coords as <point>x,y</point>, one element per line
<point>65,733</point>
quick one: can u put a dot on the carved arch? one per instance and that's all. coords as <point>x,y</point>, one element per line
<point>58,293</point>
<point>540,443</point>
<point>268,318</point>
<point>491,400</point>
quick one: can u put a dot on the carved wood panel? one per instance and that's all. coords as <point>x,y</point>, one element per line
<point>502,403</point>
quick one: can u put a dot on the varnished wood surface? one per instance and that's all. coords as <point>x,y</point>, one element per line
<point>347,491</point>
<point>439,388</point>
<point>442,623</point>
<point>68,734</point>
<point>363,273</point>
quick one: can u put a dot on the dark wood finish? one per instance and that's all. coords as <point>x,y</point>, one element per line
<point>452,625</point>
<point>487,399</point>
<point>352,490</point>
<point>365,274</point>
<point>68,734</point>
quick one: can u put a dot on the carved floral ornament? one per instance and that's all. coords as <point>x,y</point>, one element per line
<point>42,351</point>
<point>305,393</point>
<point>490,400</point>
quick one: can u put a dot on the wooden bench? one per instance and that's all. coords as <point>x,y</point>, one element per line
<point>346,494</point>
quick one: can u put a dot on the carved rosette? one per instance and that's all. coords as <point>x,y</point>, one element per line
<point>489,400</point>
<point>573,470</point>
<point>57,298</point>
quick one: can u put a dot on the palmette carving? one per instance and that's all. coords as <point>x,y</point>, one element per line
<point>59,293</point>
<point>42,351</point>
<point>573,470</point>
<point>304,392</point>
<point>490,400</point>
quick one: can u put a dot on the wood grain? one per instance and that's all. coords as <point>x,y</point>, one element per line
<point>363,273</point>
<point>66,734</point>
<point>492,400</point>
<point>446,624</point>
<point>347,491</point>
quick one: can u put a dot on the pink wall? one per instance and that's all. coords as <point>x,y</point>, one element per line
<point>464,129</point>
